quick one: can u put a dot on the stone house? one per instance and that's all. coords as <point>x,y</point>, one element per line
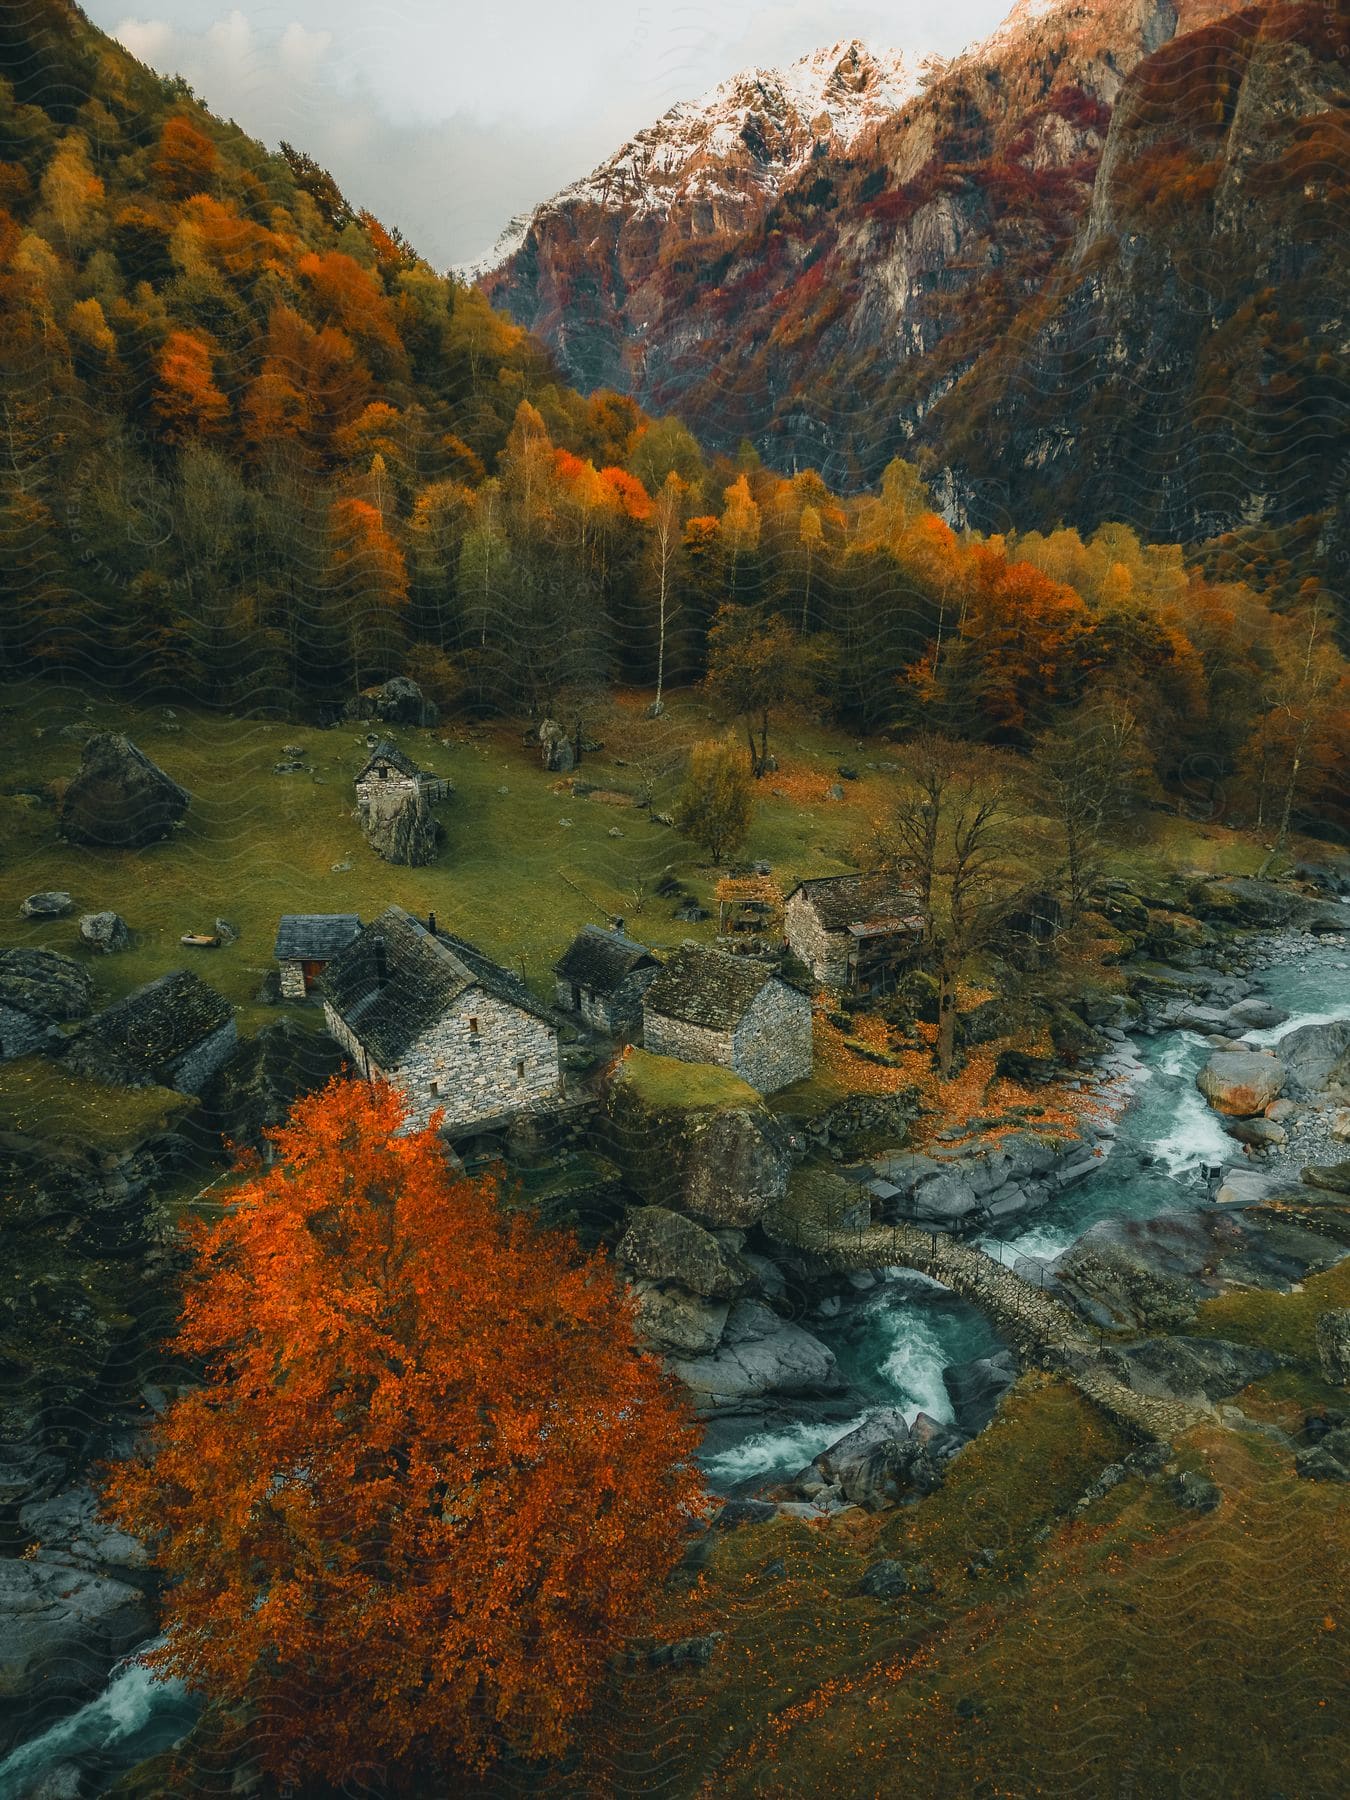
<point>174,1032</point>
<point>709,1006</point>
<point>306,944</point>
<point>388,780</point>
<point>432,1015</point>
<point>603,976</point>
<point>854,932</point>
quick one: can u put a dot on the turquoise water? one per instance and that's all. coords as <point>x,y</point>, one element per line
<point>134,1717</point>
<point>891,1347</point>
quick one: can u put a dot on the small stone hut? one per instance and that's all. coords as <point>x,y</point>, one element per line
<point>388,779</point>
<point>855,933</point>
<point>603,975</point>
<point>435,1017</point>
<point>306,944</point>
<point>710,1006</point>
<point>174,1032</point>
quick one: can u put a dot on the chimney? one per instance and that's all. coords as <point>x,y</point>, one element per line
<point>381,962</point>
<point>431,923</point>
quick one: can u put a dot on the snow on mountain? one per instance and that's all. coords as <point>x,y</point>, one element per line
<point>745,138</point>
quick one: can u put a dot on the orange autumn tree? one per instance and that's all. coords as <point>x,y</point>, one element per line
<point>429,1482</point>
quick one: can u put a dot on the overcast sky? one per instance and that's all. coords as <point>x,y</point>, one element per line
<point>445,117</point>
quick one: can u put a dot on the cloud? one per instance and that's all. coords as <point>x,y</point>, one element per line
<point>448,120</point>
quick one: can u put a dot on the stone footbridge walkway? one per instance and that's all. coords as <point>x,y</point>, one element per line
<point>1040,1327</point>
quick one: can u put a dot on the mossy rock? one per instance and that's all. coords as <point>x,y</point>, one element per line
<point>696,1139</point>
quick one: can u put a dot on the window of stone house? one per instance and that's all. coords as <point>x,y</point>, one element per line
<point>435,1086</point>
<point>520,1068</point>
<point>473,1027</point>
<point>383,772</point>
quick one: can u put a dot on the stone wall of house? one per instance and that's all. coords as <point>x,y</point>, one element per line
<point>772,1046</point>
<point>825,953</point>
<point>509,1064</point>
<point>292,981</point>
<point>191,1072</point>
<point>342,1035</point>
<point>618,1014</point>
<point>689,1043</point>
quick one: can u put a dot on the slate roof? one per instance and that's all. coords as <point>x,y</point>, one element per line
<point>387,751</point>
<point>602,960</point>
<point>139,1036</point>
<point>839,901</point>
<point>707,987</point>
<point>314,937</point>
<point>423,977</point>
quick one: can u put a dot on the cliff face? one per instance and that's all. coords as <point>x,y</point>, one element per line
<point>1186,365</point>
<point>594,268</point>
<point>1043,269</point>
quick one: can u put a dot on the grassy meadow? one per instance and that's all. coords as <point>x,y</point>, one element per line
<point>524,864</point>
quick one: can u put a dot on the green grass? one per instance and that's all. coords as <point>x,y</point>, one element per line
<point>1137,1648</point>
<point>1284,1323</point>
<point>512,876</point>
<point>665,1083</point>
<point>39,1102</point>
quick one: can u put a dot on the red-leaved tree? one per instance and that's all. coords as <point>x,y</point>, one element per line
<point>429,1482</point>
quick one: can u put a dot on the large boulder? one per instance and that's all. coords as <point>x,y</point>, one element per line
<point>1241,1083</point>
<point>760,1354</point>
<point>266,1075</point>
<point>105,932</point>
<point>1331,1178</point>
<point>1315,1056</point>
<point>660,1245</point>
<point>398,701</point>
<point>408,835</point>
<point>679,1323</point>
<point>120,800</point>
<point>51,903</point>
<point>1190,1368</point>
<point>975,1388</point>
<point>38,990</point>
<point>696,1140</point>
<point>1333,1345</point>
<point>1151,1274</point>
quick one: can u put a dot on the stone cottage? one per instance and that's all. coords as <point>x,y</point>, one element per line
<point>435,1017</point>
<point>306,944</point>
<point>174,1032</point>
<point>709,1006</point>
<point>603,975</point>
<point>394,799</point>
<point>854,932</point>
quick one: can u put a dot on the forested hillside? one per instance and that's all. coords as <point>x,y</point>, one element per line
<point>258,454</point>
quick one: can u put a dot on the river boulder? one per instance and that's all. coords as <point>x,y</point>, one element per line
<point>1241,1083</point>
<point>760,1354</point>
<point>677,1322</point>
<point>660,1245</point>
<point>120,800</point>
<point>1316,1057</point>
<point>64,1629</point>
